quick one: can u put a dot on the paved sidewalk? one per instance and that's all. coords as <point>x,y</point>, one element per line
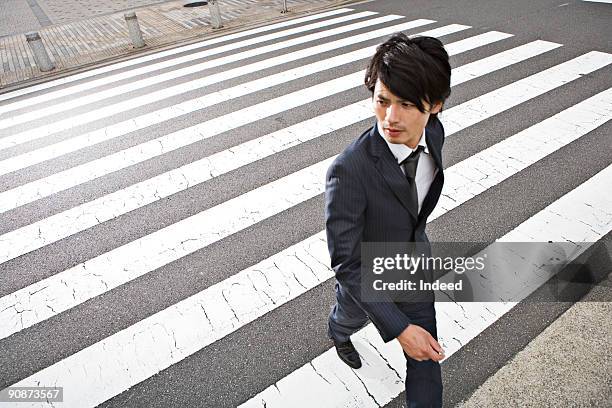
<point>568,365</point>
<point>20,16</point>
<point>87,42</point>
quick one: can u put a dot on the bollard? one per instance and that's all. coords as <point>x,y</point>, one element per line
<point>43,62</point>
<point>134,29</point>
<point>284,10</point>
<point>215,14</point>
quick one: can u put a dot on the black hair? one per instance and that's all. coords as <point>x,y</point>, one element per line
<point>415,69</point>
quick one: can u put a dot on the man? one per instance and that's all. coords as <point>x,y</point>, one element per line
<point>382,188</point>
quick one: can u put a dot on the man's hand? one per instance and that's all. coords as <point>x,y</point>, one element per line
<point>419,344</point>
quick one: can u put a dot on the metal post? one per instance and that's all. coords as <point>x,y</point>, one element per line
<point>43,62</point>
<point>215,14</point>
<point>134,29</point>
<point>284,10</point>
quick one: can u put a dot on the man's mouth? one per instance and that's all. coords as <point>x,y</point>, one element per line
<point>393,131</point>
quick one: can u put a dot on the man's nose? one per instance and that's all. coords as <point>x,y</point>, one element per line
<point>392,114</point>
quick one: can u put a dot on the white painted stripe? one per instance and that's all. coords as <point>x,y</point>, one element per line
<point>331,383</point>
<point>155,250</point>
<point>599,1</point>
<point>89,139</point>
<point>148,58</point>
<point>502,59</point>
<point>187,136</point>
<point>138,352</point>
<point>471,43</point>
<point>191,69</point>
<point>513,94</point>
<point>497,162</point>
<point>84,216</point>
<point>195,104</point>
<point>198,171</point>
<point>167,92</point>
<point>125,158</point>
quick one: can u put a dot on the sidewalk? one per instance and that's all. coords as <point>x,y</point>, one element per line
<point>568,365</point>
<point>87,42</point>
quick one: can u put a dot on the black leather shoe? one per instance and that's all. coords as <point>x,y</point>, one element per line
<point>347,353</point>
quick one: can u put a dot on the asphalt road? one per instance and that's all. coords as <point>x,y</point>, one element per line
<point>96,274</point>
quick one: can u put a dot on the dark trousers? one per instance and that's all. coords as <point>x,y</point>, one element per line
<point>423,378</point>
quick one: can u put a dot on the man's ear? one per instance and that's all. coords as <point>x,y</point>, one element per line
<point>436,108</point>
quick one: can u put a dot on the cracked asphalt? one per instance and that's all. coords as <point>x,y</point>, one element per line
<point>524,344</point>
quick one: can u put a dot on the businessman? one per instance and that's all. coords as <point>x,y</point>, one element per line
<point>382,188</point>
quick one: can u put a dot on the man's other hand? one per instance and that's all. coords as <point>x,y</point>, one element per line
<point>419,344</point>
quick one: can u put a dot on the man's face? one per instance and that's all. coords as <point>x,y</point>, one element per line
<point>401,120</point>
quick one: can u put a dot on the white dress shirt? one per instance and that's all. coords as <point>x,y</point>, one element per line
<point>426,168</point>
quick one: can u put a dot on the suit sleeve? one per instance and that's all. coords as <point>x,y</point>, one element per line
<point>345,209</point>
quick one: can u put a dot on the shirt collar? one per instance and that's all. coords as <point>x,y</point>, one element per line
<point>401,151</point>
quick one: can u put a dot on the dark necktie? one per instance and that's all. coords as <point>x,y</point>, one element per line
<point>410,166</point>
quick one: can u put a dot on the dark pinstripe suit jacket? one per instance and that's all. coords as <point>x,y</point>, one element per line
<point>366,199</point>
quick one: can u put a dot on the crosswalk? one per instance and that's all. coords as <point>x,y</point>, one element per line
<point>156,208</point>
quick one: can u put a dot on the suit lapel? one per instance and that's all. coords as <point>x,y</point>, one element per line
<point>387,166</point>
<point>434,145</point>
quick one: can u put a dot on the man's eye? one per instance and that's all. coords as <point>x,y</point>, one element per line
<point>408,105</point>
